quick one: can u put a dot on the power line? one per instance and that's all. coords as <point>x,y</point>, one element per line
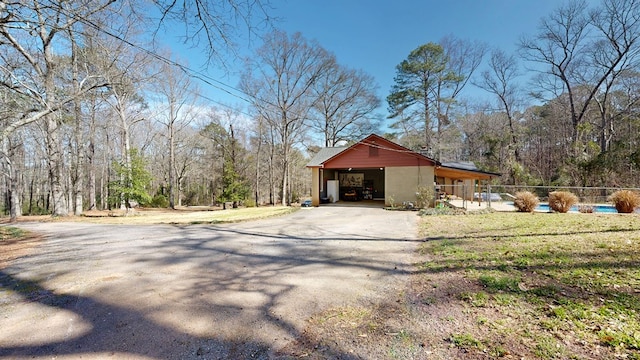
<point>215,83</point>
<point>192,73</point>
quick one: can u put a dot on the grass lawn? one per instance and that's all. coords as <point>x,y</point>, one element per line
<point>535,285</point>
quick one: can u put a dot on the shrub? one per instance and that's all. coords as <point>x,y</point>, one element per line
<point>159,201</point>
<point>562,201</point>
<point>249,202</point>
<point>391,201</point>
<point>525,201</point>
<point>586,209</point>
<point>425,196</point>
<point>625,201</point>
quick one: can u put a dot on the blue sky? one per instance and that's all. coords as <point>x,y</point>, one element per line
<point>376,35</point>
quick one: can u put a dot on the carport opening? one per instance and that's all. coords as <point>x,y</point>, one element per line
<point>353,185</point>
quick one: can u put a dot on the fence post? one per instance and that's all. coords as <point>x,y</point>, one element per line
<point>489,195</point>
<point>464,195</point>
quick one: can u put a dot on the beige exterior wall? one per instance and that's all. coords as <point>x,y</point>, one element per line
<point>401,183</point>
<point>469,187</point>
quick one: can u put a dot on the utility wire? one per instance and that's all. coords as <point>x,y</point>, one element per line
<point>215,83</point>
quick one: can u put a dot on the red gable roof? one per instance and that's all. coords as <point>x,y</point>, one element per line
<point>375,151</point>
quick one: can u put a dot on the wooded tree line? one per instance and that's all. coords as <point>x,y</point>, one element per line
<point>575,122</point>
<point>92,119</point>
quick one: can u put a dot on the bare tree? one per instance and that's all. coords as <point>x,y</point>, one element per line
<point>127,76</point>
<point>280,80</point>
<point>35,36</point>
<point>617,54</point>
<point>463,58</point>
<point>186,156</point>
<point>582,53</point>
<point>216,23</point>
<point>30,31</point>
<point>346,100</point>
<point>499,80</point>
<point>177,104</point>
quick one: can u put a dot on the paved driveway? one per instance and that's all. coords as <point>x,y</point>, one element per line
<point>203,292</point>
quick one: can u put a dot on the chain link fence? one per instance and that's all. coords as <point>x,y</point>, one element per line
<point>485,195</point>
<point>586,195</point>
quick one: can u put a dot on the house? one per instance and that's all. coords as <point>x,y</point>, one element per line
<point>378,169</point>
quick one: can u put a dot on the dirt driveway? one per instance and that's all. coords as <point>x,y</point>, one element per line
<point>236,291</point>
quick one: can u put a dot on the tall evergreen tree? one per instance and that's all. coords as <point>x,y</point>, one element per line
<point>417,93</point>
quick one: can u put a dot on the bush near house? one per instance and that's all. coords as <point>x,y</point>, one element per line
<point>625,201</point>
<point>525,201</point>
<point>562,201</point>
<point>425,196</point>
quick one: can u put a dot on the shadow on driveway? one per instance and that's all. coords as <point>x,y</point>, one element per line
<point>240,291</point>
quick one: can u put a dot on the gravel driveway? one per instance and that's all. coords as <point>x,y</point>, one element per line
<point>197,292</point>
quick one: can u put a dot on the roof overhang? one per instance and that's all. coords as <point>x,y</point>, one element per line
<point>457,173</point>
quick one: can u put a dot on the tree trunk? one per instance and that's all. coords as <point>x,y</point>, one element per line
<point>31,184</point>
<point>55,161</point>
<point>78,176</point>
<point>106,174</point>
<point>180,185</point>
<point>54,152</point>
<point>13,180</point>
<point>92,174</point>
<point>127,177</point>
<point>285,158</point>
<point>285,167</point>
<point>172,158</point>
<point>69,188</point>
<point>16,204</point>
<point>257,179</point>
<point>272,181</point>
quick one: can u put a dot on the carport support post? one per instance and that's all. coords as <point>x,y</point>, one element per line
<point>488,195</point>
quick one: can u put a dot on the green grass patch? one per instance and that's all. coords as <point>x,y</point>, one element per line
<point>465,341</point>
<point>496,284</point>
<point>554,280</point>
<point>11,233</point>
<point>479,299</point>
<point>547,347</point>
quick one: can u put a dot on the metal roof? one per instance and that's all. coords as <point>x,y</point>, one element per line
<point>462,165</point>
<point>467,166</point>
<point>325,154</point>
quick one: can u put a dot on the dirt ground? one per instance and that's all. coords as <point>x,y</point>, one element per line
<point>14,249</point>
<point>328,282</point>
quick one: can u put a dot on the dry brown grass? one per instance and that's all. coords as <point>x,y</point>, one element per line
<point>15,243</point>
<point>625,201</point>
<point>525,201</point>
<point>191,215</point>
<point>562,201</point>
